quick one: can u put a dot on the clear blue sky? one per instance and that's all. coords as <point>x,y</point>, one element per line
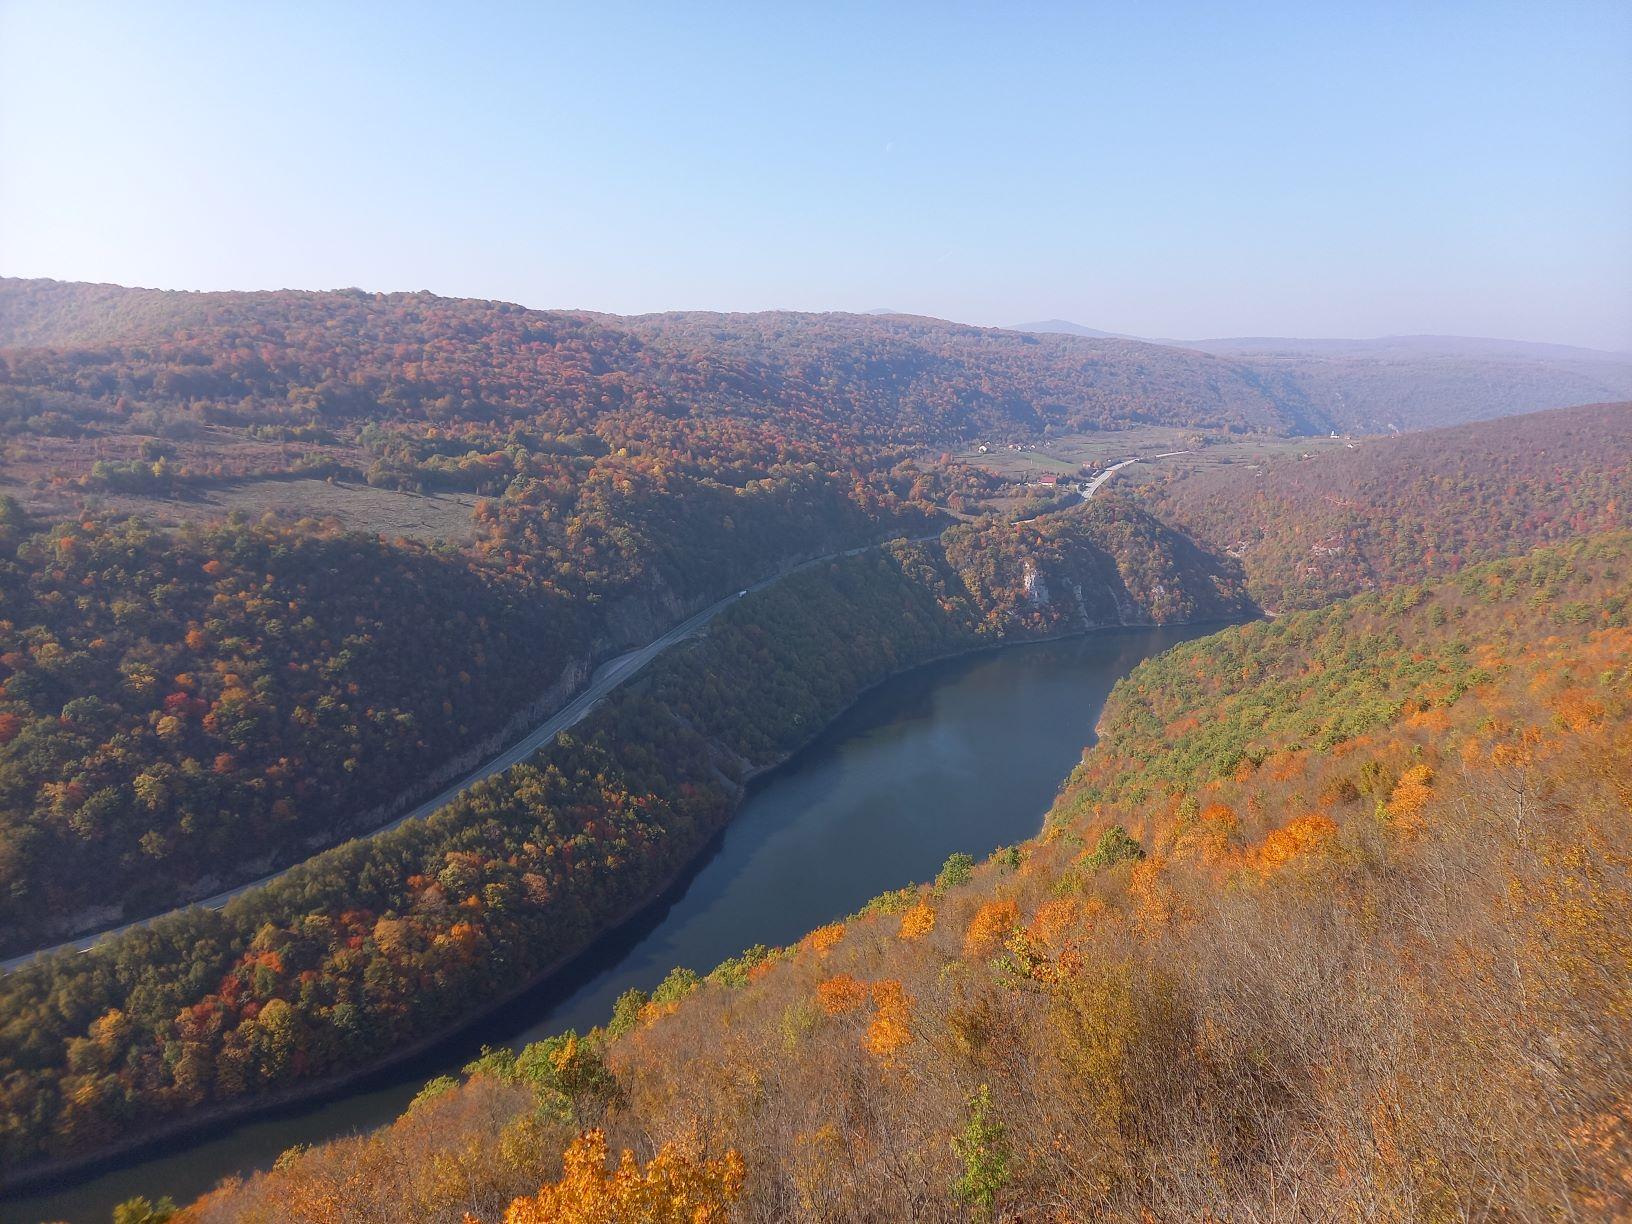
<point>1291,169</point>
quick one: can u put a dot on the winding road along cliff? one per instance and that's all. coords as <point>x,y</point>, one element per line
<point>607,677</point>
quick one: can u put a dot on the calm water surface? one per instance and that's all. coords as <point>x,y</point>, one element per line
<point>961,755</point>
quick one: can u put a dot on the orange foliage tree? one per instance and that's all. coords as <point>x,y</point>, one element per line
<point>673,1188</point>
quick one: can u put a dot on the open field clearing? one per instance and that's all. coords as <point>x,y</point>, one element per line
<point>1065,455</point>
<point>357,507</point>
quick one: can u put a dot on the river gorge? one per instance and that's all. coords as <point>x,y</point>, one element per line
<point>960,755</point>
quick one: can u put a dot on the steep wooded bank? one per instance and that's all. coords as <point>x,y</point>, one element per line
<point>180,710</point>
<point>1333,922</point>
<point>366,949</point>
<point>1407,508</point>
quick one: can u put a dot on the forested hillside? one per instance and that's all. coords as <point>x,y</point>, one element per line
<point>1407,508</point>
<point>620,490</point>
<point>1332,923</point>
<point>959,380</point>
<point>183,708</point>
<point>367,948</point>
<point>621,471</point>
<point>75,352</point>
<point>617,476</point>
<point>628,470</point>
<point>256,357</point>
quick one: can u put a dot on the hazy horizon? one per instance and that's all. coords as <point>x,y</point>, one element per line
<point>1184,174</point>
<point>1037,324</point>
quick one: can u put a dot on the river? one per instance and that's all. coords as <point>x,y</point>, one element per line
<point>964,754</point>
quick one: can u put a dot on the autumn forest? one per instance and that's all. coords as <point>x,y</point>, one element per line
<point>1332,920</point>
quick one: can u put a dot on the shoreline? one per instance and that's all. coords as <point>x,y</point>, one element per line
<point>38,1177</point>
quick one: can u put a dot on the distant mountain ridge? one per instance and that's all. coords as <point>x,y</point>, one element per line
<point>1462,346</point>
<point>1467,346</point>
<point>1410,382</point>
<point>1064,327</point>
<point>358,356</point>
<point>918,378</point>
